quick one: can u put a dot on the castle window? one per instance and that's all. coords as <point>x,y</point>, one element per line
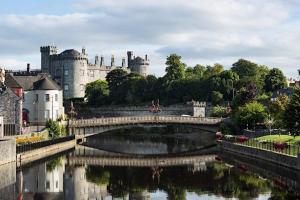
<point>81,72</point>
<point>66,87</point>
<point>92,73</point>
<point>56,97</point>
<point>47,97</point>
<point>57,72</point>
<point>47,114</point>
<point>66,72</point>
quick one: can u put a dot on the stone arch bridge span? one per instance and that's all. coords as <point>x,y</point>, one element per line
<point>87,127</point>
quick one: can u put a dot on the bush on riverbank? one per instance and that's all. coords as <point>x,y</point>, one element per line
<point>280,139</point>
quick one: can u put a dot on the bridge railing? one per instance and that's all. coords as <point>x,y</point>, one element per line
<point>143,119</point>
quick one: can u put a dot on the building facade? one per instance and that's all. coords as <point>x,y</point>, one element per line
<point>10,111</point>
<point>42,97</point>
<point>72,69</point>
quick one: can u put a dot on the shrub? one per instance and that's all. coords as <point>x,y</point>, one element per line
<point>216,97</point>
<point>219,111</point>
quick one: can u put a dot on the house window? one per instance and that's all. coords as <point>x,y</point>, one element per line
<point>56,184</point>
<point>47,114</point>
<point>56,97</point>
<point>66,72</point>
<point>81,72</point>
<point>47,185</point>
<point>47,97</point>
<point>81,87</point>
<point>66,87</point>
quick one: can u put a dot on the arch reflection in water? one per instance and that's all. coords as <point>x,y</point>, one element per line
<point>152,140</point>
<point>199,180</point>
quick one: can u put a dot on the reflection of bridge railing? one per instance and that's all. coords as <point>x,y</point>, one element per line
<point>144,120</point>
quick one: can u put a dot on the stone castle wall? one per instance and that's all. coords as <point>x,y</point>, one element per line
<point>117,111</point>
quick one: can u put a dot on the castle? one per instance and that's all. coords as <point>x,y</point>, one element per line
<point>72,69</point>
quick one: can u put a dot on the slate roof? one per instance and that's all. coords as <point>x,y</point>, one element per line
<point>45,84</point>
<point>70,53</point>
<point>39,82</point>
<point>11,82</point>
<point>26,82</point>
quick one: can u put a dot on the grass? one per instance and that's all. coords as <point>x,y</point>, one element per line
<point>280,139</point>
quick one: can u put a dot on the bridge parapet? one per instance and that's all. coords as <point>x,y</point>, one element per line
<point>110,121</point>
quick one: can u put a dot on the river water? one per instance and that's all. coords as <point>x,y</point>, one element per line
<point>112,166</point>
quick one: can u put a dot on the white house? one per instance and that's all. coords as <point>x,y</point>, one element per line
<point>42,98</point>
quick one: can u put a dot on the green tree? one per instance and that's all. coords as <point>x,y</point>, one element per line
<point>292,113</point>
<point>55,130</point>
<point>97,92</point>
<point>195,73</point>
<point>244,68</point>
<point>250,114</point>
<point>216,97</point>
<point>274,80</point>
<point>175,68</point>
<point>213,70</point>
<point>115,79</point>
<point>277,109</point>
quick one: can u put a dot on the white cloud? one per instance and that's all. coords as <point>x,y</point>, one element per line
<point>199,30</point>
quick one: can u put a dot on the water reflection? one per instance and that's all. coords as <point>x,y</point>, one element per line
<point>89,172</point>
<point>58,179</point>
<point>153,140</point>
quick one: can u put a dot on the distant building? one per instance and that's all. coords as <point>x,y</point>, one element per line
<point>284,91</point>
<point>10,109</point>
<point>72,70</point>
<point>292,82</point>
<point>42,97</point>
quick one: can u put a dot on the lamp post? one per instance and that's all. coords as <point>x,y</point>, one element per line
<point>36,102</point>
<point>52,107</point>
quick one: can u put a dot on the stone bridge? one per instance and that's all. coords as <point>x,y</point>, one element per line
<point>87,127</point>
<point>90,156</point>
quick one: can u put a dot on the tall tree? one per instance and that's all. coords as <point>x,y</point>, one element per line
<point>115,78</point>
<point>97,92</point>
<point>274,80</point>
<point>175,68</point>
<point>292,113</point>
<point>244,68</point>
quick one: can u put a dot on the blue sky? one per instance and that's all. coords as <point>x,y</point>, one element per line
<point>205,32</point>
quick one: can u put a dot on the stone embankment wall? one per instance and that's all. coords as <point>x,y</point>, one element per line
<point>116,111</point>
<point>7,151</point>
<point>280,159</point>
<point>30,156</point>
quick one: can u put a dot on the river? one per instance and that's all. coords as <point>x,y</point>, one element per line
<point>174,163</point>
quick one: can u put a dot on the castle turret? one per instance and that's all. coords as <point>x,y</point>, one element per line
<point>46,52</point>
<point>102,61</point>
<point>123,62</point>
<point>97,62</point>
<point>129,58</point>
<point>112,64</point>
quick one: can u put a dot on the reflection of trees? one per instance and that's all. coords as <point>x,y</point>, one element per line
<point>97,175</point>
<point>218,179</point>
<point>51,165</point>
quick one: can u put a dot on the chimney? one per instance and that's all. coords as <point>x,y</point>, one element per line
<point>112,64</point>
<point>28,68</point>
<point>146,57</point>
<point>123,62</point>
<point>102,61</point>
<point>97,63</point>
<point>129,58</point>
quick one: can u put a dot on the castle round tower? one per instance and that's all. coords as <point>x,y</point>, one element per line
<point>74,73</point>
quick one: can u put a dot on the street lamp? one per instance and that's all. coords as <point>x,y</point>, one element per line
<point>36,102</point>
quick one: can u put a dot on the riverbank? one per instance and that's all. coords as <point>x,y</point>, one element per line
<point>25,157</point>
<point>284,160</point>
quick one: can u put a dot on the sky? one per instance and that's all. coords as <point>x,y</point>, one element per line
<point>204,32</point>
